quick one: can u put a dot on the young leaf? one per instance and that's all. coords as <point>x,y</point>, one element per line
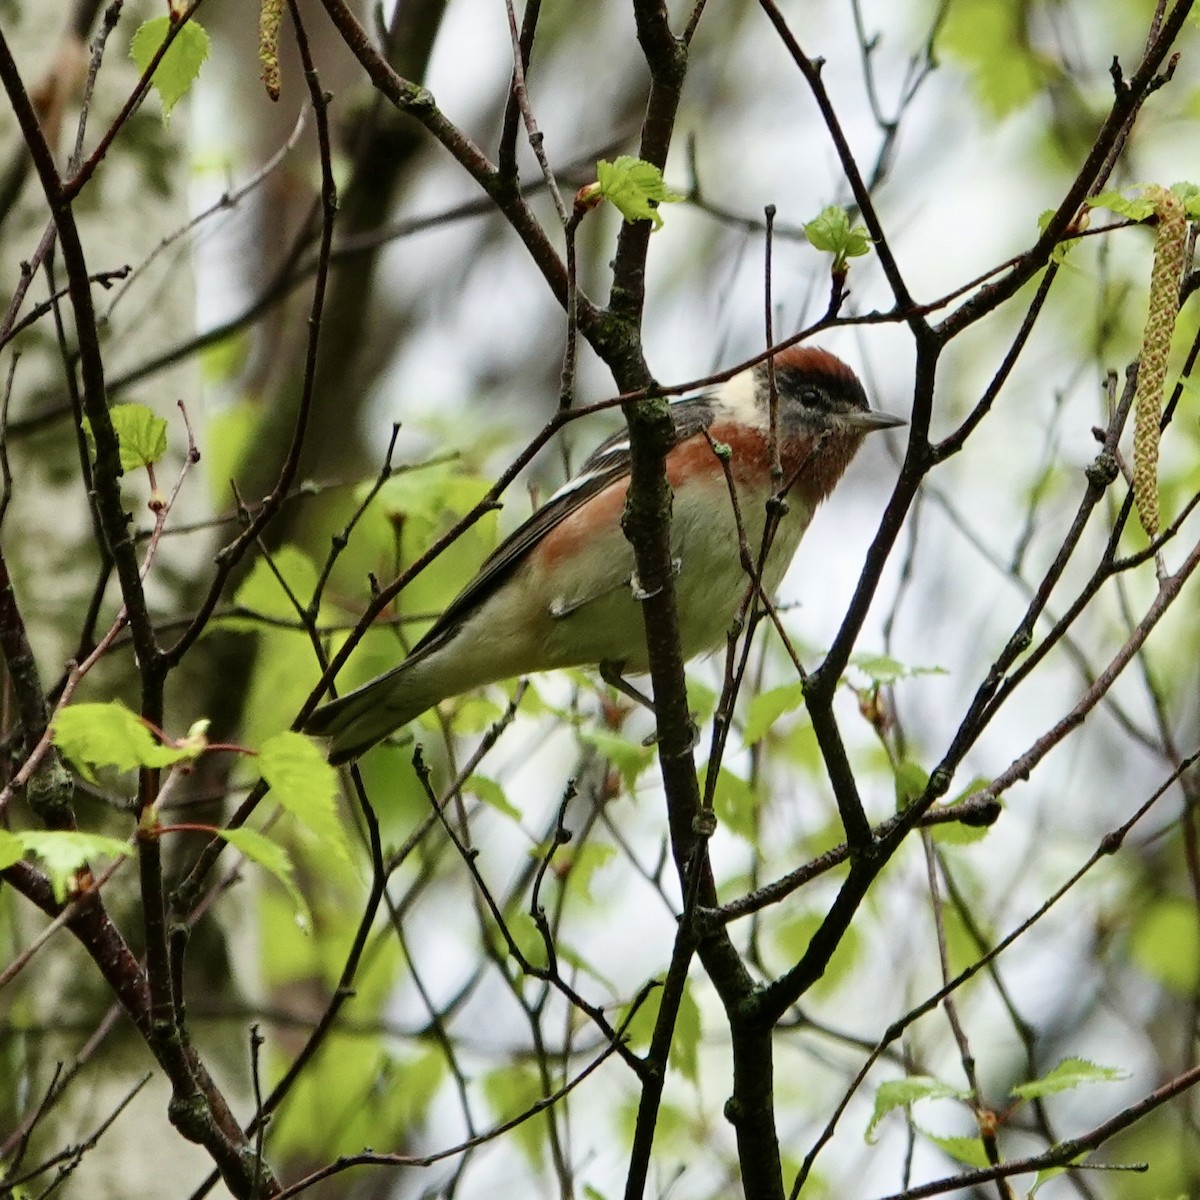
<point>567,954</point>
<point>1189,195</point>
<point>767,707</point>
<point>832,232</point>
<point>1136,208</point>
<point>967,1150</point>
<point>273,857</point>
<point>1069,1073</point>
<point>306,785</point>
<point>262,592</point>
<point>1049,1173</point>
<point>629,757</point>
<point>883,670</point>
<point>899,1093</point>
<point>734,803</point>
<point>528,939</point>
<point>178,68</point>
<point>109,735</point>
<point>512,1091</point>
<point>987,39</point>
<point>1059,254</point>
<point>634,186</point>
<point>685,1044</point>
<point>910,779</point>
<point>640,1029</point>
<point>492,794</point>
<point>960,833</point>
<point>141,435</point>
<point>702,700</point>
<point>579,866</point>
<point>686,1040</point>
<point>11,849</point>
<point>793,935</point>
<point>64,851</point>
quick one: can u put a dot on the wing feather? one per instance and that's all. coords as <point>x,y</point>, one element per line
<point>606,464</point>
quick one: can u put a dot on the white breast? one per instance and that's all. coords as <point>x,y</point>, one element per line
<point>712,579</point>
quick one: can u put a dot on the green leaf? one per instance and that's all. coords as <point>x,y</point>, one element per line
<point>1065,245</point>
<point>959,833</point>
<point>910,779</point>
<point>109,735</point>
<point>883,670</point>
<point>968,1150</point>
<point>988,38</point>
<point>832,232</point>
<point>229,437</point>
<point>736,805</point>
<point>527,937</point>
<point>634,187</point>
<point>224,360</point>
<point>1137,208</point>
<point>767,707</point>
<point>794,934</point>
<point>1068,1074</point>
<point>1189,194</point>
<point>141,435</point>
<point>675,1126</point>
<point>579,867</point>
<point>179,67</point>
<point>411,511</point>
<point>473,714</point>
<point>492,794</point>
<point>576,961</point>
<point>65,851</point>
<point>262,592</point>
<point>629,757</point>
<point>355,1092</point>
<point>640,1029</point>
<point>429,499</point>
<point>306,785</point>
<point>1049,1173</point>
<point>11,849</point>
<point>1133,207</point>
<point>510,1091</point>
<point>900,1093</point>
<point>685,1040</point>
<point>702,700</point>
<point>685,1045</point>
<point>274,858</point>
<point>1166,944</point>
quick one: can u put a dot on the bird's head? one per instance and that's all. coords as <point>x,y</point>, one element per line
<point>822,414</point>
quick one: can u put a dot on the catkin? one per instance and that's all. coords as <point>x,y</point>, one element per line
<point>270,14</point>
<point>1169,243</point>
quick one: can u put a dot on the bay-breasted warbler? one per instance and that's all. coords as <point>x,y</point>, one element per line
<point>561,590</point>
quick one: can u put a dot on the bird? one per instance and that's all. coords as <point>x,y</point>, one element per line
<point>561,590</point>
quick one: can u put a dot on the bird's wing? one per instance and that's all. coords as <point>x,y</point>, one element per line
<point>608,463</point>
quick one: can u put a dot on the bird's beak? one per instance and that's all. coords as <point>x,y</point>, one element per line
<point>865,422</point>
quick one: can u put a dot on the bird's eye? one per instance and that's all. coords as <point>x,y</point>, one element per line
<point>811,397</point>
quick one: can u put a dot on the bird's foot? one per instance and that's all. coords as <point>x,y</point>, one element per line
<point>610,672</point>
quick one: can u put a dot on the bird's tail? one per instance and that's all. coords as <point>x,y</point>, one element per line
<point>361,718</point>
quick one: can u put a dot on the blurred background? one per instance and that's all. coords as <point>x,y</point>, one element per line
<point>970,117</point>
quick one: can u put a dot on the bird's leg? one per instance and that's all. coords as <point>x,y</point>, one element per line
<point>610,672</point>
